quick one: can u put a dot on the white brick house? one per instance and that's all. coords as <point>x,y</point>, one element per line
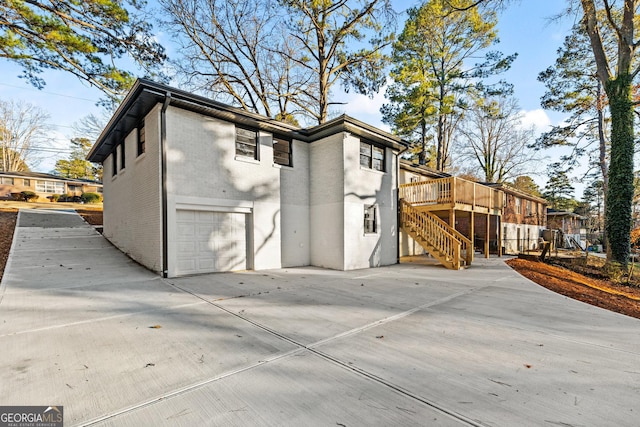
<point>194,186</point>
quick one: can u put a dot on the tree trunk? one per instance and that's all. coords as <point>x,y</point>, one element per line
<point>619,194</point>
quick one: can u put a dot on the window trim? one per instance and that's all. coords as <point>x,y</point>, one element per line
<point>289,143</point>
<point>256,153</point>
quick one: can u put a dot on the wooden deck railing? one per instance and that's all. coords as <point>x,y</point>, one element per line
<point>449,243</point>
<point>451,191</point>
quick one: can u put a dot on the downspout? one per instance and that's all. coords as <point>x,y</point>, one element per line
<point>398,218</point>
<point>163,178</point>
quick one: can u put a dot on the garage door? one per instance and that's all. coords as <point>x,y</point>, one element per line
<point>209,241</point>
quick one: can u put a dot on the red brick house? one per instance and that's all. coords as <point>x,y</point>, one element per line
<point>44,185</point>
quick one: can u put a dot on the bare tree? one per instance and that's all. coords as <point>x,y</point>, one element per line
<point>492,137</point>
<point>335,49</point>
<point>23,130</point>
<point>237,52</point>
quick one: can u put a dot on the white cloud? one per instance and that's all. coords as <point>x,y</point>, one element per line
<point>537,118</point>
<point>363,108</point>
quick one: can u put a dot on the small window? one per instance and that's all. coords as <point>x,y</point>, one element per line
<point>247,143</point>
<point>122,155</point>
<point>141,138</point>
<point>518,205</point>
<point>114,161</point>
<point>7,180</point>
<point>371,157</point>
<point>26,183</point>
<point>370,223</point>
<point>282,151</point>
<point>528,206</point>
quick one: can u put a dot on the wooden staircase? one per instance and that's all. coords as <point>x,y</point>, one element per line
<point>442,241</point>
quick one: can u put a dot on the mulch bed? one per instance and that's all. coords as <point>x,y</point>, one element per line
<point>595,291</point>
<point>7,225</point>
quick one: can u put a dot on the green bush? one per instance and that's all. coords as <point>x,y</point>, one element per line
<point>63,197</point>
<point>54,197</point>
<point>91,197</point>
<point>28,195</point>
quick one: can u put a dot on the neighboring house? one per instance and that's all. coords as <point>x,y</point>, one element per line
<point>523,219</point>
<point>44,185</point>
<point>193,186</point>
<point>571,225</point>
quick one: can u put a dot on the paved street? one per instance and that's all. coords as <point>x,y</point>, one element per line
<point>85,327</point>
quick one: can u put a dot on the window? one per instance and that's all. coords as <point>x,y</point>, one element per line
<point>282,152</point>
<point>54,187</point>
<point>7,180</point>
<point>114,162</point>
<point>141,138</point>
<point>122,155</point>
<point>26,183</point>
<point>529,210</point>
<point>371,157</point>
<point>518,205</point>
<point>246,143</point>
<point>370,223</point>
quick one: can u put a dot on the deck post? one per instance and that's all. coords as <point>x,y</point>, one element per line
<point>472,226</point>
<point>486,237</point>
<point>499,232</point>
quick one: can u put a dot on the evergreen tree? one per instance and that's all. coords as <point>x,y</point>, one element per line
<point>526,184</point>
<point>558,191</point>
<point>432,75</point>
<point>76,166</point>
<point>83,38</point>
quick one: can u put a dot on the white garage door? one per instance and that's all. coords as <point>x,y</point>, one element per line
<point>209,242</point>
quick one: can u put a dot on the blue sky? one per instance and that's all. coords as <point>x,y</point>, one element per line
<point>525,27</point>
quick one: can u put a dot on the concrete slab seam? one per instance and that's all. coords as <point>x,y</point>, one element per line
<point>359,371</point>
<point>191,387</point>
<point>100,319</point>
<point>301,348</point>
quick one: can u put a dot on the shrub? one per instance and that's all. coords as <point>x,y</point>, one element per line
<point>64,197</point>
<point>91,197</point>
<point>28,195</point>
<point>54,197</point>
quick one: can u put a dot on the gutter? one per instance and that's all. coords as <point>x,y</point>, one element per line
<point>163,178</point>
<point>398,217</point>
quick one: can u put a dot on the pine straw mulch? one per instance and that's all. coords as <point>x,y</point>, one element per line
<point>586,288</point>
<point>7,225</point>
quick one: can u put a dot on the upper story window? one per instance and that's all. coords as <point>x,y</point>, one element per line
<point>518,205</point>
<point>528,207</point>
<point>371,156</point>
<point>282,152</point>
<point>26,183</point>
<point>141,138</point>
<point>114,161</point>
<point>6,180</point>
<point>122,155</point>
<point>246,143</point>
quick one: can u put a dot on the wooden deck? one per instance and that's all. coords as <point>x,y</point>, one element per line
<point>457,194</point>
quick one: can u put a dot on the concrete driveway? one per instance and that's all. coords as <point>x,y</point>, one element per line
<point>84,327</point>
